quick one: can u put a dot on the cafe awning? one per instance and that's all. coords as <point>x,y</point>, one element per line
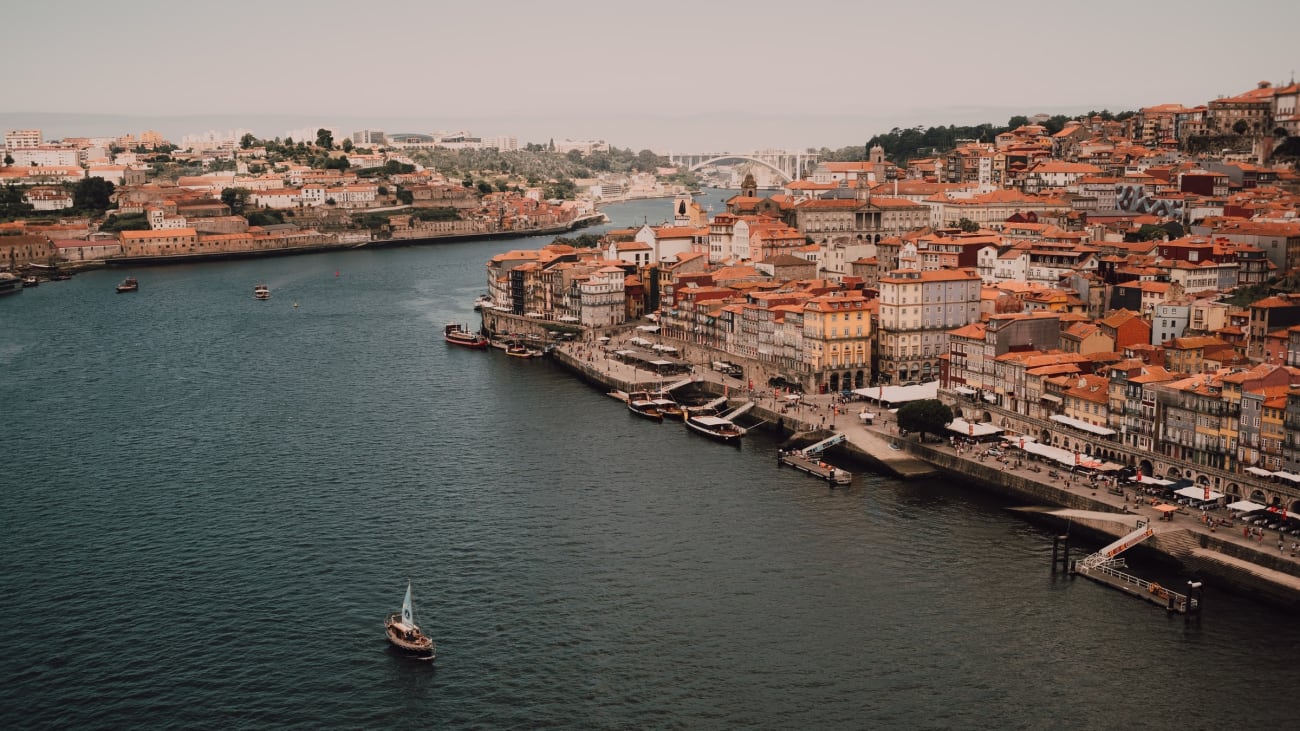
<point>1198,493</point>
<point>1244,506</point>
<point>971,429</point>
<point>1166,508</point>
<point>1083,425</point>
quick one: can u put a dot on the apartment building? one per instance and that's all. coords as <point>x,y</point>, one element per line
<point>917,310</point>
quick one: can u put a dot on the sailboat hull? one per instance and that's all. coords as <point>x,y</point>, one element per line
<point>408,640</point>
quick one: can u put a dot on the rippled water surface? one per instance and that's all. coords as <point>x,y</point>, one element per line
<point>209,503</point>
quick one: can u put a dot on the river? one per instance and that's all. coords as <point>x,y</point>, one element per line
<point>209,503</point>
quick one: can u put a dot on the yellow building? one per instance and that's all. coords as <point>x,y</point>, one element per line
<point>837,340</point>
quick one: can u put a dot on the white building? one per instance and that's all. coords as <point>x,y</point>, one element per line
<point>17,139</point>
<point>159,220</point>
<point>45,156</point>
<point>602,298</point>
<point>48,199</point>
<point>1169,320</point>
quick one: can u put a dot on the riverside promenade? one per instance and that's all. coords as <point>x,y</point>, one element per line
<point>1213,546</point>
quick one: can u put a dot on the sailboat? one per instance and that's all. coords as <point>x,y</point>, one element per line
<point>405,634</point>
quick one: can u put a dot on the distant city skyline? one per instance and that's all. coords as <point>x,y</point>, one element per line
<point>667,76</point>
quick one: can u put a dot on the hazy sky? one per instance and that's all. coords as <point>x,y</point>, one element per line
<point>662,74</point>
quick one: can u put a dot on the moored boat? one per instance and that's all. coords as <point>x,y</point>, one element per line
<point>458,335</point>
<point>716,427</point>
<point>10,284</point>
<point>405,634</point>
<point>262,292</point>
<point>483,301</point>
<point>128,285</point>
<point>519,350</point>
<point>31,281</point>
<point>669,408</point>
<point>640,403</point>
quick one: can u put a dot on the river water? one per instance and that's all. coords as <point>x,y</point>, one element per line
<point>209,503</point>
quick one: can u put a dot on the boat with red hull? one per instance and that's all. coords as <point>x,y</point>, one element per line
<point>457,335</point>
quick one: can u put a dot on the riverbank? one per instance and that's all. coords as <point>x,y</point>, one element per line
<point>574,225</point>
<point>1265,567</point>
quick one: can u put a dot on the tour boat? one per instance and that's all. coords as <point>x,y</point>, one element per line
<point>716,427</point>
<point>405,634</point>
<point>519,350</point>
<point>128,285</point>
<point>10,284</point>
<point>669,408</point>
<point>483,301</point>
<point>262,292</point>
<point>640,403</point>
<point>458,335</point>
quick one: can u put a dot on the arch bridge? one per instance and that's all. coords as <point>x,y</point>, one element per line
<point>788,165</point>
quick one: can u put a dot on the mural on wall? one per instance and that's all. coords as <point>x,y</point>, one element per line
<point>1132,198</point>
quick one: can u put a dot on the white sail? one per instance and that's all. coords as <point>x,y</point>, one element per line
<point>408,615</point>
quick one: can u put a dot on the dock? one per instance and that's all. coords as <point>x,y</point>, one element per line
<point>1104,567</point>
<point>808,460</point>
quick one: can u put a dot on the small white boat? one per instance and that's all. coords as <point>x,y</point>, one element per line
<point>405,634</point>
<point>484,300</point>
<point>262,292</point>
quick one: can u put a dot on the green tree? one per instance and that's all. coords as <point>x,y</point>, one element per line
<point>968,226</point>
<point>92,194</point>
<point>236,199</point>
<point>927,416</point>
<point>647,161</point>
<point>484,187</point>
<point>265,218</point>
<point>325,139</point>
<point>405,197</point>
<point>247,141</point>
<point>347,144</point>
<point>126,222</point>
<point>9,159</point>
<point>12,204</point>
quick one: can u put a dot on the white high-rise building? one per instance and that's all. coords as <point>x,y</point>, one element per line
<point>19,139</point>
